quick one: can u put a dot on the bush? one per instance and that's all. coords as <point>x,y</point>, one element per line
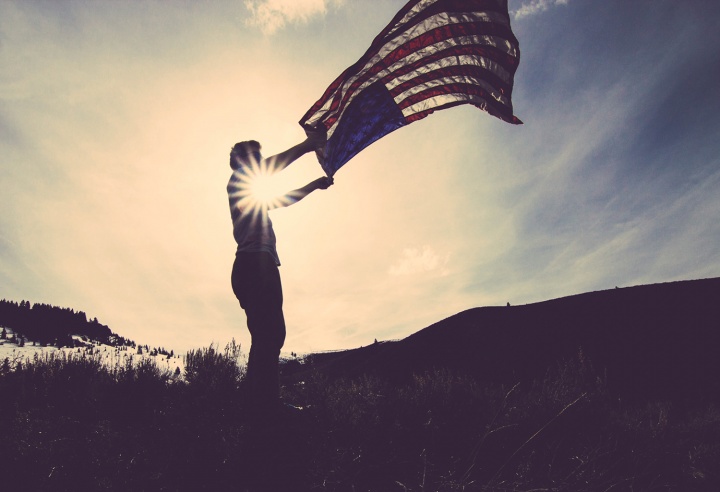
<point>215,371</point>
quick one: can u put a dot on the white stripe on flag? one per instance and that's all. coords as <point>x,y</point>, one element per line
<point>443,99</point>
<point>451,61</point>
<point>453,80</point>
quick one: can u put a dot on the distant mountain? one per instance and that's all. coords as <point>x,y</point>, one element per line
<point>658,341</point>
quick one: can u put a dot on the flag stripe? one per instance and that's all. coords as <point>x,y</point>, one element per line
<point>488,102</point>
<point>463,53</point>
<point>446,84</point>
<point>435,54</point>
<point>428,106</point>
<point>470,74</point>
<point>425,8</point>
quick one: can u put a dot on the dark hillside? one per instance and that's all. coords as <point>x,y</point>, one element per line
<point>657,341</point>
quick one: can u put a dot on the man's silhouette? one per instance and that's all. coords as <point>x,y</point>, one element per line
<point>255,275</point>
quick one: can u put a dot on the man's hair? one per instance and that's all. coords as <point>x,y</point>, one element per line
<point>241,149</point>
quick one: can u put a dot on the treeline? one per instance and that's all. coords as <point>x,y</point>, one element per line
<point>154,351</point>
<point>51,325</point>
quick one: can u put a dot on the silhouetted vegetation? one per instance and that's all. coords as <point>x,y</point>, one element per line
<point>72,423</point>
<point>493,399</point>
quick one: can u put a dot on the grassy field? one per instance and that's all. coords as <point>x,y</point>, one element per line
<point>73,423</point>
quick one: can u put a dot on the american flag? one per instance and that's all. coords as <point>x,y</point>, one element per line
<point>435,54</point>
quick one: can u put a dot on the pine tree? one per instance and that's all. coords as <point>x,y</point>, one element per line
<point>3,335</point>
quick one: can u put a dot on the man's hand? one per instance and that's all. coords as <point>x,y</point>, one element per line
<point>314,141</point>
<point>296,195</point>
<point>323,183</point>
<point>316,138</point>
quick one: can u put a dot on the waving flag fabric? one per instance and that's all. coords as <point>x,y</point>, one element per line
<point>435,54</point>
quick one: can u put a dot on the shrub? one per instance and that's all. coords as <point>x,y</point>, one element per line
<point>213,370</point>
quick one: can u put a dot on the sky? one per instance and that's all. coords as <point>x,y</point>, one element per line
<point>116,120</point>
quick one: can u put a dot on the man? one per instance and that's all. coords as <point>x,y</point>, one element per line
<point>255,275</point>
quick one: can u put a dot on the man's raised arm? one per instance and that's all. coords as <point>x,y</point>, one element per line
<point>284,159</point>
<point>296,195</point>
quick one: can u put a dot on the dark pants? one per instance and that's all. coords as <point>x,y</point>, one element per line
<point>256,284</point>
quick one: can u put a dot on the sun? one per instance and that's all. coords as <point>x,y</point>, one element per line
<point>261,187</point>
<point>264,189</point>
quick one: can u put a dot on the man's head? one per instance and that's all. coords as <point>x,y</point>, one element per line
<point>244,153</point>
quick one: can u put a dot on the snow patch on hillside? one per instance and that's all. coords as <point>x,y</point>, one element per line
<point>111,356</point>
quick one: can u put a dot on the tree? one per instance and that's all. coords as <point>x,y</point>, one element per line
<point>3,335</point>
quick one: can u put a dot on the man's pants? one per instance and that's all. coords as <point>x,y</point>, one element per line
<point>256,284</point>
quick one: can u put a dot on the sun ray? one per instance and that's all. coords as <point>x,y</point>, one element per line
<point>259,188</point>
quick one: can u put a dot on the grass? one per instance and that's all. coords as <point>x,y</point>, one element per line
<point>72,423</point>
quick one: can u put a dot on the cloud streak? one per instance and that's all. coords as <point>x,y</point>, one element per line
<point>536,6</point>
<point>272,15</point>
<point>419,260</point>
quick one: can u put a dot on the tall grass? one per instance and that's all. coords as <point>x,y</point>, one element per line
<point>74,423</point>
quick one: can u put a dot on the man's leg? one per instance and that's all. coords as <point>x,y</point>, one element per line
<point>268,334</point>
<point>256,282</point>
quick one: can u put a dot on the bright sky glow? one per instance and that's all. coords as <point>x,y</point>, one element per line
<point>262,188</point>
<point>117,118</point>
<point>265,189</point>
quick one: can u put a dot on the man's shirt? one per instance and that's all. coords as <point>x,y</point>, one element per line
<point>252,227</point>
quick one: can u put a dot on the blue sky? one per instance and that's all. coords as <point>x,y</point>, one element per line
<point>116,119</point>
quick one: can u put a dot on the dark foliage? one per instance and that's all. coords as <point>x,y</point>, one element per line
<point>495,399</point>
<point>70,423</point>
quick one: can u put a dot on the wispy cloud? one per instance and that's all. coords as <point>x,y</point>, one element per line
<point>272,15</point>
<point>419,260</point>
<point>535,6</point>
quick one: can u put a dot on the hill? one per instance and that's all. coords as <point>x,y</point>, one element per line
<point>649,342</point>
<point>46,324</point>
<point>28,330</point>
